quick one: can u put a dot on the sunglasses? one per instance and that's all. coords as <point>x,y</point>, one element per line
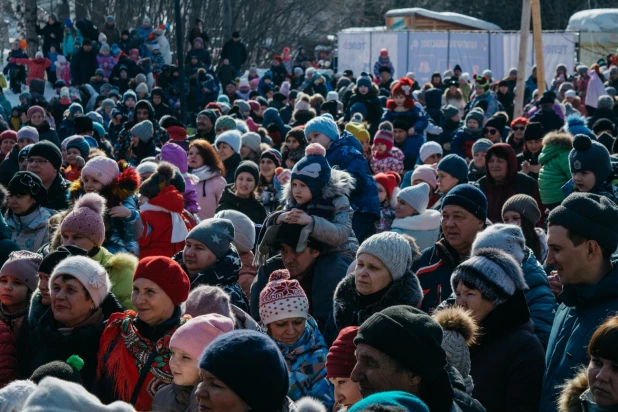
<point>518,129</point>
<point>490,131</point>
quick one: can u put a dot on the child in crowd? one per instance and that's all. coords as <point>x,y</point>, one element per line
<point>386,157</point>
<point>105,61</point>
<point>413,218</point>
<point>477,169</point>
<point>294,147</point>
<point>52,55</point>
<point>464,138</point>
<point>77,153</point>
<point>388,188</point>
<point>426,174</point>
<point>402,105</point>
<point>359,131</point>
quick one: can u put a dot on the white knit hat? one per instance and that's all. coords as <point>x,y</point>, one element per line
<point>508,238</point>
<point>392,249</point>
<point>89,273</point>
<point>244,229</point>
<point>430,148</point>
<point>416,196</point>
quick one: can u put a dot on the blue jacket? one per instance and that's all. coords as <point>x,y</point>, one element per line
<point>415,116</point>
<point>583,309</point>
<point>347,154</point>
<point>411,148</point>
<point>463,139</point>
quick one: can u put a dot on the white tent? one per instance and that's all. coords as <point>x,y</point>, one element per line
<point>595,20</point>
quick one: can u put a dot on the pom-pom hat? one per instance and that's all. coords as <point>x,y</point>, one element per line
<point>282,298</point>
<point>313,169</point>
<point>86,218</point>
<point>592,156</point>
<point>101,168</point>
<point>384,137</point>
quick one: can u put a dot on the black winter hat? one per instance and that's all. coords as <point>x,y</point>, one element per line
<point>397,329</point>
<point>50,261</point>
<point>47,150</point>
<point>602,125</point>
<point>589,215</point>
<point>534,131</point>
<point>83,124</point>
<point>589,155</point>
<point>250,167</point>
<point>499,122</point>
<point>67,371</point>
<point>608,141</point>
<point>549,97</point>
<point>27,183</point>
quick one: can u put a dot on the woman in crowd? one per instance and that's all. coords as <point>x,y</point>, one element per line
<point>523,211</point>
<point>36,119</point>
<point>228,149</point>
<point>241,194</point>
<point>453,96</point>
<point>207,166</point>
<point>269,161</point>
<point>340,362</point>
<point>528,159</point>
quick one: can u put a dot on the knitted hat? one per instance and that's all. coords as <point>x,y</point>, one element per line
<point>481,145</point>
<point>604,102</point>
<point>102,169</point>
<point>494,273</point>
<point>52,259</point>
<point>79,143</point>
<point>244,229</point>
<point>588,215</point>
<point>341,360</point>
<point>23,265</point>
<point>549,97</point>
<point>142,88</point>
<point>251,365</point>
<point>592,156</point>
<point>144,167</point>
<point>88,272</point>
<point>389,180</point>
<point>391,401</point>
<point>272,154</point>
<point>23,153</point>
<point>576,124</point>
<point>313,169</point>
<point>454,166</point>
<point>470,197</point>
<point>430,148</point>
<point>507,238</point>
<point>359,131</point>
<point>143,130</point>
<point>242,105</point>
<point>197,333</point>
<point>83,124</point>
<point>28,132</point>
<point>570,93</point>
<point>166,175</point>
<point>176,155</point>
<point>525,205</point>
<point>27,183</point>
<point>534,131</point>
<point>225,123</point>
<point>167,274</point>
<point>206,299</point>
<point>67,371</point>
<point>247,166</point>
<point>74,108</point>
<point>481,81</point>
<point>241,126</point>
<point>86,218</point>
<point>35,109</point>
<point>323,124</point>
<point>392,249</point>
<point>8,135</point>
<point>363,80</point>
<point>600,125</point>
<point>282,298</point>
<point>298,133</point>
<point>449,111</point>
<point>396,329</point>
<point>384,137</point>
<point>252,141</point>
<point>416,196</point>
<point>476,115</point>
<point>607,140</point>
<point>427,174</point>
<point>215,234</point>
<point>231,137</point>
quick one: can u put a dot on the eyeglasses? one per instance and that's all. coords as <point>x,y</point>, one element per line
<point>518,129</point>
<point>490,131</point>
<point>37,161</point>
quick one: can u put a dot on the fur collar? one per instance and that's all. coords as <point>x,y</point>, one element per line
<point>341,183</point>
<point>558,139</point>
<point>430,220</point>
<point>571,391</point>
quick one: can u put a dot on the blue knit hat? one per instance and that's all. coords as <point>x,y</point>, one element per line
<point>252,365</point>
<point>576,124</point>
<point>74,108</point>
<point>470,198</point>
<point>363,80</point>
<point>313,169</point>
<point>402,400</point>
<point>592,156</point>
<point>325,125</point>
<point>455,166</point>
<point>79,143</point>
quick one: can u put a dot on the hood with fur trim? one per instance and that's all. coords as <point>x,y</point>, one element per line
<point>341,183</point>
<point>569,400</point>
<point>554,144</point>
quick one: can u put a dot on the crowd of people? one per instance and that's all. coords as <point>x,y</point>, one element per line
<point>305,240</point>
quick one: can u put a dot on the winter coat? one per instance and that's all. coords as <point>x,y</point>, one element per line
<point>175,398</point>
<point>410,148</point>
<point>347,154</point>
<point>157,230</point>
<point>250,207</point>
<point>576,395</point>
<point>549,119</point>
<point>106,63</point>
<point>372,104</point>
<point>141,152</point>
<point>514,184</point>
<point>46,132</point>
<point>6,244</point>
<point>120,267</point>
<point>306,362</point>
<point>383,62</point>
<point>111,33</point>
<point>415,116</point>
<point>475,173</point>
<point>231,164</point>
<point>8,355</point>
<point>5,104</point>
<point>424,228</point>
<point>526,156</point>
<point>223,273</point>
<point>209,190</point>
<point>463,139</point>
<point>602,113</point>
<point>279,74</point>
<point>583,309</point>
<point>58,194</point>
<point>272,116</point>
<point>555,171</point>
<point>68,42</point>
<point>352,309</point>
<point>507,361</point>
<point>56,29</point>
<point>30,232</point>
<point>83,66</point>
<point>493,105</point>
<point>235,52</point>
<point>36,67</point>
<point>392,163</point>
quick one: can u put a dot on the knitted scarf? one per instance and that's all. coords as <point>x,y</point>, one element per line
<point>320,207</point>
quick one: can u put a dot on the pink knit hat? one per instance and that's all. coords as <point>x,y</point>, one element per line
<point>23,265</point>
<point>86,218</point>
<point>282,298</point>
<point>197,333</point>
<point>103,169</point>
<point>427,174</point>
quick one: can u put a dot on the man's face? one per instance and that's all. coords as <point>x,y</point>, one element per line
<point>568,260</point>
<point>230,89</point>
<point>142,114</point>
<point>203,123</point>
<point>400,135</point>
<point>298,264</point>
<point>377,372</point>
<point>42,168</point>
<point>156,99</point>
<point>87,48</point>
<point>460,227</point>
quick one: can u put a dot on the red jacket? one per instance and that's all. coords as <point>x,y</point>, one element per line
<point>157,234</point>
<point>36,67</point>
<point>8,355</point>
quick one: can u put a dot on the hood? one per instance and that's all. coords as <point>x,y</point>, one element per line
<point>571,391</point>
<point>341,183</point>
<point>145,104</point>
<point>91,90</point>
<point>554,144</point>
<point>429,220</point>
<point>503,150</point>
<point>169,198</point>
<point>176,155</point>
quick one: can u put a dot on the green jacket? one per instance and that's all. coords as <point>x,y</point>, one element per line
<point>555,171</point>
<point>120,268</point>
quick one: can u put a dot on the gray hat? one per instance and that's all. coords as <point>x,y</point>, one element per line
<point>481,145</point>
<point>449,111</point>
<point>507,238</point>
<point>143,130</point>
<point>108,102</point>
<point>525,205</point>
<point>494,273</point>
<point>605,102</point>
<point>416,196</point>
<point>244,229</point>
<point>252,141</point>
<point>231,138</point>
<point>242,105</point>
<point>216,234</point>
<point>477,115</point>
<point>28,132</point>
<point>611,91</point>
<point>142,88</point>
<point>392,249</point>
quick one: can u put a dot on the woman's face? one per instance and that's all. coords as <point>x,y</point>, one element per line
<point>245,151</point>
<point>267,168</point>
<point>194,159</point>
<point>13,293</point>
<point>91,185</point>
<point>225,151</point>
<point>44,288</point>
<point>402,209</point>
<point>287,331</point>
<point>245,185</point>
<point>498,168</point>
<point>363,89</point>
<point>7,145</point>
<point>184,368</point>
<point>518,131</point>
<point>446,182</point>
<point>292,143</point>
<point>215,396</point>
<point>347,392</point>
<point>197,257</point>
<point>534,146</point>
<point>370,274</point>
<point>603,381</point>
<point>76,239</point>
<point>70,303</point>
<point>473,300</point>
<point>512,218</point>
<point>152,304</point>
<point>20,204</point>
<point>36,119</point>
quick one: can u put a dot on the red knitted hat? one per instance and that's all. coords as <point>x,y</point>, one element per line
<point>390,180</point>
<point>282,298</point>
<point>167,274</point>
<point>386,137</point>
<point>8,134</point>
<point>340,360</point>
<point>404,87</point>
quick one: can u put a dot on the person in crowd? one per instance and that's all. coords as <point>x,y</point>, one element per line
<point>83,64</point>
<point>77,152</point>
<point>484,97</point>
<point>365,95</point>
<point>241,195</point>
<point>464,212</point>
<point>37,119</point>
<point>228,148</point>
<point>478,166</point>
<point>388,187</point>
<point>402,105</point>
<point>137,342</point>
<point>73,325</point>
<point>546,115</point>
<point>382,278</point>
<point>187,345</point>
<point>582,235</point>
<point>452,171</point>
<point>235,51</point>
<point>340,362</point>
<point>176,155</point>
<point>516,137</point>
<point>297,336</point>
<point>523,211</point>
<point>142,143</point>
<point>10,164</point>
<point>591,168</point>
<point>270,160</point>
<point>413,218</point>
<point>359,131</point>
<point>205,126</point>
<point>45,161</point>
<point>205,164</point>
<point>250,147</point>
<point>464,138</point>
<point>528,158</point>
<point>495,127</point>
<point>503,180</point>
<point>385,157</point>
<point>7,141</point>
<point>555,170</point>
<point>382,366</point>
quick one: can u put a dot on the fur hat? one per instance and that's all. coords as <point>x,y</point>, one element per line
<point>244,229</point>
<point>197,333</point>
<point>231,137</point>
<point>101,168</point>
<point>508,238</point>
<point>313,169</point>
<point>206,299</point>
<point>88,272</point>
<point>282,298</point>
<point>86,218</point>
<point>427,174</point>
<point>23,265</point>
<point>167,274</point>
<point>392,249</point>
